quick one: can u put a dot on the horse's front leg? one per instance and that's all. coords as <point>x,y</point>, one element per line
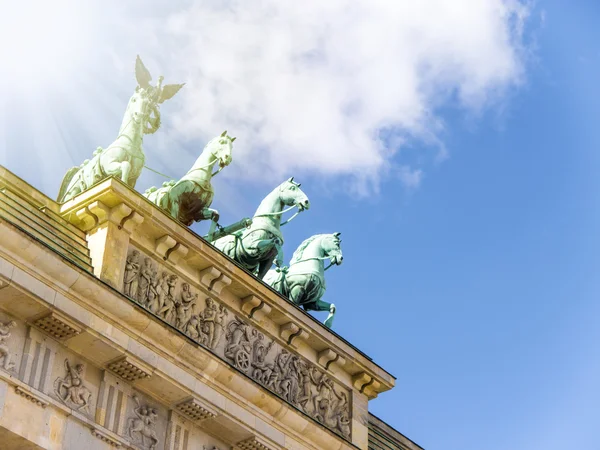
<point>320,305</point>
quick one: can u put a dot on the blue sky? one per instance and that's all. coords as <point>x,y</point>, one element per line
<point>470,277</point>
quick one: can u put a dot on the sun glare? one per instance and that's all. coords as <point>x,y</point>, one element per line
<point>39,38</point>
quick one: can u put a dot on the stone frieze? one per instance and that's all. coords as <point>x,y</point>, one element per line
<point>212,325</point>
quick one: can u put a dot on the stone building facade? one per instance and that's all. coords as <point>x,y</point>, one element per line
<point>121,328</point>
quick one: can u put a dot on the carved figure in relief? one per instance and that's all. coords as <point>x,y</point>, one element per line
<point>167,310</point>
<point>143,425</point>
<point>280,369</point>
<point>184,306</point>
<point>305,387</point>
<point>145,281</point>
<point>262,370</point>
<point>344,424</point>
<point>338,413</point>
<point>152,299</point>
<point>322,400</point>
<point>70,389</point>
<point>4,351</point>
<point>207,321</point>
<point>290,385</point>
<point>132,268</point>
<point>239,347</point>
<point>165,299</point>
<point>192,328</point>
<point>219,326</point>
<point>161,288</point>
<point>172,282</point>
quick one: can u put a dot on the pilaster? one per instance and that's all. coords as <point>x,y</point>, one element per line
<point>108,231</point>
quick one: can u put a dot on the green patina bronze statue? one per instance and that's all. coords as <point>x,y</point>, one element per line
<point>304,282</point>
<point>256,247</point>
<point>124,158</point>
<point>188,199</point>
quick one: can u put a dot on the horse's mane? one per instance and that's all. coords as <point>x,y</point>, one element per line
<point>297,256</point>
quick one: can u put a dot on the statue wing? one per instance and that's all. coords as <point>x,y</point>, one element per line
<point>169,91</point>
<point>142,74</point>
<point>65,182</point>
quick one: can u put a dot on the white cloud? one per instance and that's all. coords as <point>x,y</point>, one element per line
<point>314,87</point>
<point>308,86</point>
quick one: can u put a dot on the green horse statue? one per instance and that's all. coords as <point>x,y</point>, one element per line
<point>256,247</point>
<point>304,282</point>
<point>188,199</point>
<point>124,158</point>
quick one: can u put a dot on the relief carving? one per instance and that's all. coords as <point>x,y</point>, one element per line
<point>288,375</point>
<point>71,390</point>
<point>295,380</point>
<point>211,324</point>
<point>132,268</point>
<point>183,308</point>
<point>4,351</point>
<point>142,429</point>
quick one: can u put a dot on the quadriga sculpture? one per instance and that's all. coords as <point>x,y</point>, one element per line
<point>188,199</point>
<point>256,247</point>
<point>304,282</point>
<point>124,158</point>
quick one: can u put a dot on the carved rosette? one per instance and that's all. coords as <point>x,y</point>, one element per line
<point>215,327</point>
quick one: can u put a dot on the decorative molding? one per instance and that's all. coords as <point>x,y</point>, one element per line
<point>169,249</point>
<point>290,331</point>
<point>31,396</point>
<point>105,437</point>
<point>163,244</point>
<point>57,326</point>
<point>97,213</point>
<point>253,305</point>
<point>214,280</point>
<point>177,253</point>
<point>253,443</point>
<point>131,222</point>
<point>196,409</point>
<point>206,276</point>
<point>360,380</point>
<point>328,357</point>
<point>91,216</point>
<point>220,283</point>
<point>119,214</point>
<point>366,385</point>
<point>129,368</point>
